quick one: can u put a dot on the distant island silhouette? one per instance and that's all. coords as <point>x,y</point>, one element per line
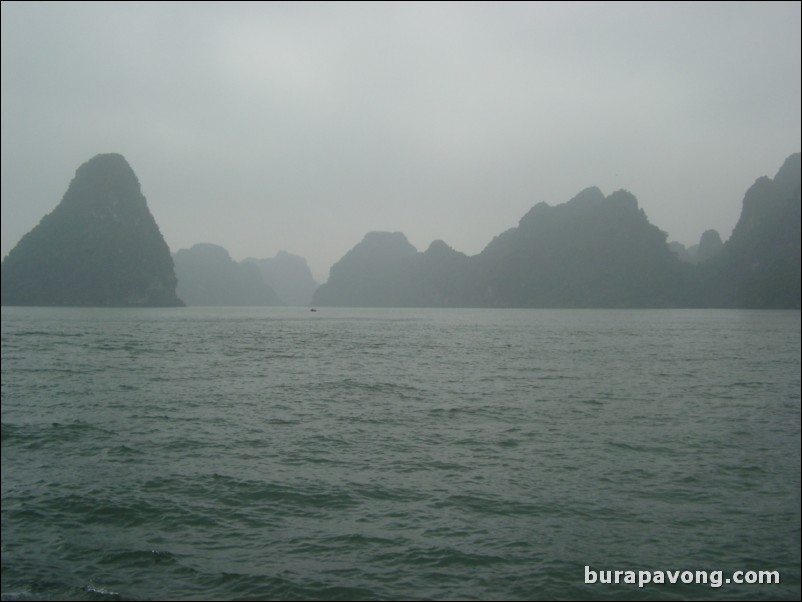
<point>593,251</point>
<point>101,247</point>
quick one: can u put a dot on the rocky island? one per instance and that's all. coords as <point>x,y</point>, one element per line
<point>100,247</point>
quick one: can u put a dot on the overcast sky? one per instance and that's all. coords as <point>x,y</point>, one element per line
<point>300,127</point>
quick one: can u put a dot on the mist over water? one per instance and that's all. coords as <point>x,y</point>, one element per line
<point>392,454</point>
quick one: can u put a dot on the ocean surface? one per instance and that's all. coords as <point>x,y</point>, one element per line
<point>277,453</point>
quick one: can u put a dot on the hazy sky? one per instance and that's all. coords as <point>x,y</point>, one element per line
<point>296,126</point>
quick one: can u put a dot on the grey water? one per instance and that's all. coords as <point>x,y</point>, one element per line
<point>276,453</point>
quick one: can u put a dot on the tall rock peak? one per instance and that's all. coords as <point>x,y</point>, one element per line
<point>99,247</point>
<point>761,260</point>
<point>104,182</point>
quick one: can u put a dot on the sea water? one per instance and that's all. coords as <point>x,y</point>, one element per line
<point>278,453</point>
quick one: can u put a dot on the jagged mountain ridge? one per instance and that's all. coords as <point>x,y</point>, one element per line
<point>593,251</point>
<point>101,247</point>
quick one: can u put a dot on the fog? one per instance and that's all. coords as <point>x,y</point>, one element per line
<point>300,127</point>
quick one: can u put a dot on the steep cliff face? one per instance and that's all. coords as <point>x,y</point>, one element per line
<point>99,247</point>
<point>759,266</point>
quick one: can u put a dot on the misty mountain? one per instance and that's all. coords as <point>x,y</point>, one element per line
<point>708,247</point>
<point>100,246</point>
<point>682,252</point>
<point>385,270</point>
<point>289,276</point>
<point>380,271</point>
<point>446,279</point>
<point>592,251</point>
<point>759,266</point>
<point>208,276</point>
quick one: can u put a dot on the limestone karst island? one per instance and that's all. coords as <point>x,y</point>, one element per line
<point>101,247</point>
